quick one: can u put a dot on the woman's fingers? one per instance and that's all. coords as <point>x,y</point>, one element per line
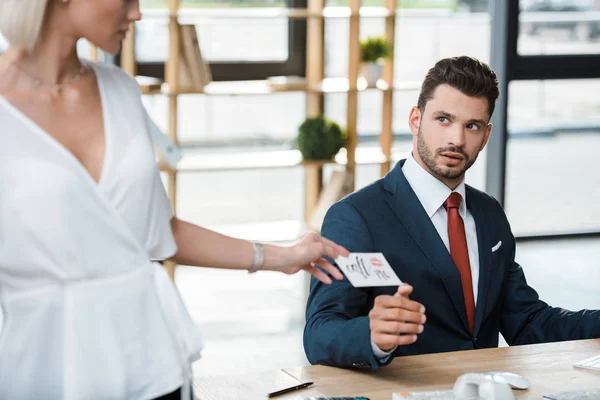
<point>320,275</point>
<point>324,264</point>
<point>338,250</point>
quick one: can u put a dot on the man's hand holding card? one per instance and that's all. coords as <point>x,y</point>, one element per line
<point>394,320</point>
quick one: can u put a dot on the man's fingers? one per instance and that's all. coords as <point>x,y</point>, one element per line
<point>404,340</point>
<point>395,328</point>
<point>396,320</point>
<point>398,302</point>
<point>397,315</point>
<point>404,290</point>
<point>385,341</point>
<point>400,315</point>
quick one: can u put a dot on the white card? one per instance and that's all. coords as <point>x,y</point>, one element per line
<point>368,270</point>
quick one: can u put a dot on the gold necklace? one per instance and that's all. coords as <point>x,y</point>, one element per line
<point>58,87</point>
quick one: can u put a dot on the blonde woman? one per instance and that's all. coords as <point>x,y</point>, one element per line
<point>87,312</point>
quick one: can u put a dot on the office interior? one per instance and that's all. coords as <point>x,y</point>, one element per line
<point>541,162</point>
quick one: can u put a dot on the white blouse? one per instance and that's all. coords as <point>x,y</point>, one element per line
<point>85,312</point>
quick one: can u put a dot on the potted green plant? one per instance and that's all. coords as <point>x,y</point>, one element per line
<point>320,138</point>
<point>373,51</point>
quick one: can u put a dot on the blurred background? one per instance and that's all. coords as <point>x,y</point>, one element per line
<point>544,165</point>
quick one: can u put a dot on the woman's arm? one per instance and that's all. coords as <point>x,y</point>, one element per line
<point>198,246</point>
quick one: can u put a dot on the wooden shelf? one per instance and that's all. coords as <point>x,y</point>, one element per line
<point>271,12</point>
<point>272,159</point>
<point>342,85</point>
<point>240,88</point>
<point>315,85</point>
<point>233,88</point>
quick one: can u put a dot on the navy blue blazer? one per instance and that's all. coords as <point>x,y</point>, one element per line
<point>387,217</point>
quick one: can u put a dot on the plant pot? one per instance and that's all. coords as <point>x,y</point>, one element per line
<point>310,157</point>
<point>371,72</point>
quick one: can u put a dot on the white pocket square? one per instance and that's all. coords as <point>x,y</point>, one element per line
<point>497,246</point>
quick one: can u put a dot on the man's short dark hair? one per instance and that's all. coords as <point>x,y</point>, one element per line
<point>466,74</point>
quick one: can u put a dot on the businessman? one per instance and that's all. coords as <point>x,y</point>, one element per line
<point>451,243</point>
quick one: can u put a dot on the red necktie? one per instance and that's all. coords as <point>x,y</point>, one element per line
<point>460,252</point>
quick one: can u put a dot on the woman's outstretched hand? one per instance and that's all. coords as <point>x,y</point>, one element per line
<point>308,255</point>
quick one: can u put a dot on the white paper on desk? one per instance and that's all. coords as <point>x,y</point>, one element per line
<point>368,270</point>
<point>592,363</point>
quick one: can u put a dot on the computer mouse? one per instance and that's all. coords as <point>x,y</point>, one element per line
<point>513,380</point>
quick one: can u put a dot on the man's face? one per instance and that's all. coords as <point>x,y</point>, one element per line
<point>449,133</point>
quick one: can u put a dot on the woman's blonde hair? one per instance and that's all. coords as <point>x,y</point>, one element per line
<point>21,22</point>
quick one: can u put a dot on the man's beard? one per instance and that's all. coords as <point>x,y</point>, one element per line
<point>429,159</point>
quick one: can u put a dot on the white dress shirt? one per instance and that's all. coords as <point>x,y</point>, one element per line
<point>432,193</point>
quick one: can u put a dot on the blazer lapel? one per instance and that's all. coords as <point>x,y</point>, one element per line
<point>407,207</point>
<point>476,207</point>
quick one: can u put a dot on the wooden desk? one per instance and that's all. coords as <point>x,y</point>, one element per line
<point>547,366</point>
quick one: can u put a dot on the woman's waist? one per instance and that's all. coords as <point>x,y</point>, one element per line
<point>126,278</point>
<point>141,299</point>
<point>120,309</point>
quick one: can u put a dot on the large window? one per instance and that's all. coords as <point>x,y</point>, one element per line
<point>552,180</point>
<point>446,33</point>
<point>542,164</point>
<point>559,27</point>
<point>237,37</point>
